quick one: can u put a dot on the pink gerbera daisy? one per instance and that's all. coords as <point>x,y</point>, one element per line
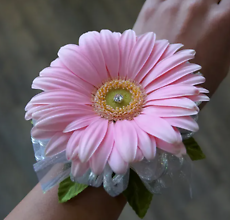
<point>115,99</point>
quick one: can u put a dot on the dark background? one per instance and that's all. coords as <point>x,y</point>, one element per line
<point>31,32</point>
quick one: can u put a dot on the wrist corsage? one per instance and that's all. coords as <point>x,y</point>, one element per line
<point>117,111</point>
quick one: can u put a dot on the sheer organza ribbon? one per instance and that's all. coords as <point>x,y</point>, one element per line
<point>157,174</point>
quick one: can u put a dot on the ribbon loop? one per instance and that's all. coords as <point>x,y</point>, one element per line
<point>114,185</point>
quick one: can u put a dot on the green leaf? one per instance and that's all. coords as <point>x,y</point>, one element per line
<point>138,197</point>
<point>68,189</point>
<point>193,149</point>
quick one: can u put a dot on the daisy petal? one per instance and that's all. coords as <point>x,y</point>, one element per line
<point>172,49</point>
<point>186,123</point>
<point>72,145</point>
<point>50,110</point>
<point>31,105</point>
<point>168,64</point>
<point>57,63</point>
<point>202,90</point>
<point>140,54</point>
<point>199,98</point>
<point>58,121</point>
<point>146,143</point>
<point>179,136</point>
<point>126,44</point>
<point>181,102</point>
<point>172,76</point>
<point>125,139</point>
<point>92,50</point>
<point>92,138</point>
<point>80,123</point>
<point>85,37</point>
<point>51,83</point>
<point>165,111</point>
<point>101,155</point>
<point>117,36</point>
<point>65,74</point>
<point>78,168</point>
<point>161,129</point>
<point>191,79</point>
<point>57,144</point>
<point>175,149</point>
<point>159,48</point>
<point>75,61</point>
<point>41,134</point>
<point>60,97</point>
<point>110,49</point>
<point>28,115</point>
<point>116,162</point>
<point>173,91</point>
<point>139,155</point>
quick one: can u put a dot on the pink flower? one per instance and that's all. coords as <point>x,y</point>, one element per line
<point>114,99</point>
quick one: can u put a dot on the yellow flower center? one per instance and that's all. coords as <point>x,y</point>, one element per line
<point>118,100</point>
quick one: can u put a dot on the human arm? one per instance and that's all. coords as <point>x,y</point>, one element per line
<point>201,25</point>
<point>91,204</point>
